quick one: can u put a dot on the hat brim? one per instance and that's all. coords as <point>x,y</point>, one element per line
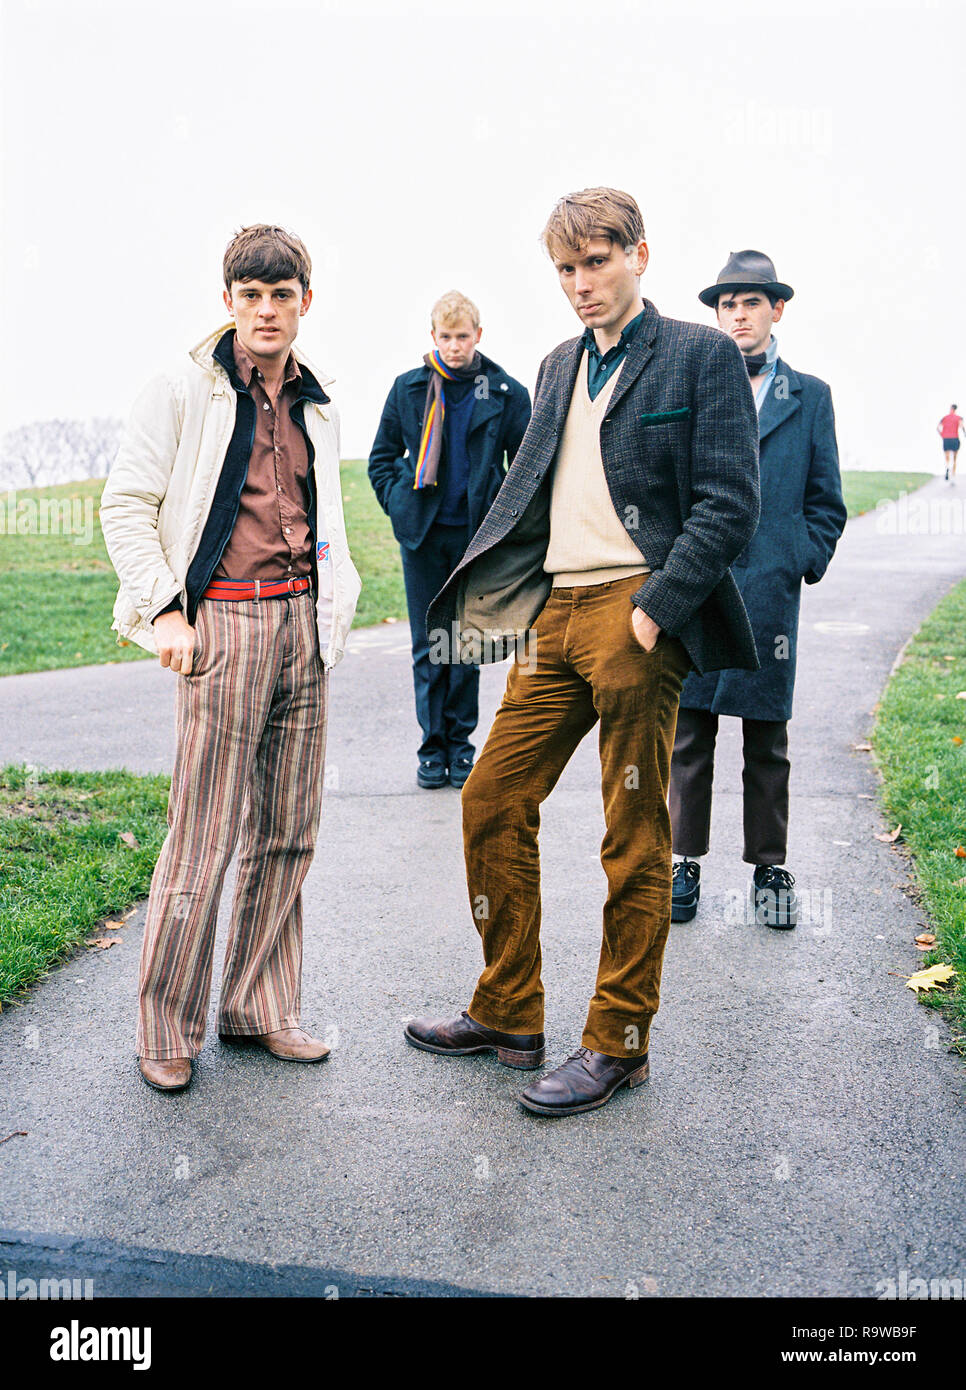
<point>711,294</point>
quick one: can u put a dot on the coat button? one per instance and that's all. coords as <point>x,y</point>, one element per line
<point>513,511</point>
<point>537,473</point>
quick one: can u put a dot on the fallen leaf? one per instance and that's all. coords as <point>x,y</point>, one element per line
<point>949,658</point>
<point>129,839</point>
<point>925,940</point>
<point>929,979</point>
<point>15,1133</point>
<point>862,747</point>
<point>891,838</point>
<point>103,943</point>
<point>112,926</point>
<point>956,738</point>
<point>960,852</point>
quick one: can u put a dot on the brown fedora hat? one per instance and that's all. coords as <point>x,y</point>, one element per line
<point>745,270</point>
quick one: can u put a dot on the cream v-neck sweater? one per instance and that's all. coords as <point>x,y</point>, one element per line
<point>588,543</point>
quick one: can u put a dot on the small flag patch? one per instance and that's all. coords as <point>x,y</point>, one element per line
<point>322,552</point>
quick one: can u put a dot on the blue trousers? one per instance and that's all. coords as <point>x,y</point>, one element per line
<point>447,696</point>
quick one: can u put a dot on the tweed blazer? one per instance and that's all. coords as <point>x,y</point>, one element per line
<point>679,444</point>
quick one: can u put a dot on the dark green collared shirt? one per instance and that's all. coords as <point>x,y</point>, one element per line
<point>600,368</point>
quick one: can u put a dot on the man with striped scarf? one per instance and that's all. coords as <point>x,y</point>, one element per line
<point>448,432</point>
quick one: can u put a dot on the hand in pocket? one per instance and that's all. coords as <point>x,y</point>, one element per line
<point>645,629</point>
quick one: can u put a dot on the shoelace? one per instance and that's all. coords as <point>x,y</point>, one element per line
<point>775,877</point>
<point>685,873</point>
<point>577,1056</point>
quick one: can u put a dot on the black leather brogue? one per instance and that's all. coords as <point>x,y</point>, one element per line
<point>585,1081</point>
<point>462,1036</point>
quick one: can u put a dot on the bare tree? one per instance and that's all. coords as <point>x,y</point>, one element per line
<point>58,451</point>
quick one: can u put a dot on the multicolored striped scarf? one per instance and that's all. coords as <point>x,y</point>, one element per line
<point>431,439</point>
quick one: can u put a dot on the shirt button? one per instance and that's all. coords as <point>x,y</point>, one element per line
<point>288,530</point>
<point>266,406</point>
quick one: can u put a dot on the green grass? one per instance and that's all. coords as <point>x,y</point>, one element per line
<point>374,549</point>
<point>863,490</point>
<point>57,590</point>
<point>57,586</point>
<point>924,782</point>
<point>63,867</point>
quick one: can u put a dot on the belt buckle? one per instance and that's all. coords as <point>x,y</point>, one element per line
<point>292,580</point>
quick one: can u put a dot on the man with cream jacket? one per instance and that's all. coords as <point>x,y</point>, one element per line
<point>223,519</point>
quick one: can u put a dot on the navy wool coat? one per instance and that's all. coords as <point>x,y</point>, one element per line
<point>500,417</point>
<point>802,516</point>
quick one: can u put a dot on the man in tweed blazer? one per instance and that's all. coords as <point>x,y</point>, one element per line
<point>605,559</point>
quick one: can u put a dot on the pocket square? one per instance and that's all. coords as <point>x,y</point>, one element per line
<point>666,417</point>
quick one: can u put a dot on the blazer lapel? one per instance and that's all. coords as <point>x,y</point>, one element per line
<point>782,399</point>
<point>566,380</point>
<point>640,350</point>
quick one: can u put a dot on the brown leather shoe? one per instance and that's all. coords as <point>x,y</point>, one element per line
<point>165,1073</point>
<point>585,1081</point>
<point>462,1036</point>
<point>288,1044</point>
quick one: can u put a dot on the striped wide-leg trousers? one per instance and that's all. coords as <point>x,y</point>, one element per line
<point>251,723</point>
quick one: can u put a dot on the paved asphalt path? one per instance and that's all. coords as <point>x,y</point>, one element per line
<point>803,1129</point>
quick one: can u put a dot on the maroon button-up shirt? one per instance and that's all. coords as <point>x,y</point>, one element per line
<point>271,537</point>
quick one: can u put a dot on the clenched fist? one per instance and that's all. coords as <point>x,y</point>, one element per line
<point>176,641</point>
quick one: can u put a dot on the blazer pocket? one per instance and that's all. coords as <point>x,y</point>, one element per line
<point>665,417</point>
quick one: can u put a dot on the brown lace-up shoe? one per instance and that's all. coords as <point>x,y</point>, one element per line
<point>165,1073</point>
<point>288,1044</point>
<point>585,1081</point>
<point>462,1036</point>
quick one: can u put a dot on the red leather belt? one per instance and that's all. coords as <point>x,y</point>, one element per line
<point>256,588</point>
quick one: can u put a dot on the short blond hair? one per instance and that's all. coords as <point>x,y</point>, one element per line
<point>451,307</point>
<point>577,217</point>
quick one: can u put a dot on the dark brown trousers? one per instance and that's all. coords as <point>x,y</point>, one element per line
<point>585,666</point>
<point>764,780</point>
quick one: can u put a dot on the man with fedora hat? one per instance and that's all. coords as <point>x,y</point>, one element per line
<point>802,516</point>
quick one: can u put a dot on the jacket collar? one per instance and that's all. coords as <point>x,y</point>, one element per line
<point>498,388</point>
<point>489,369</point>
<point>782,399</point>
<point>640,349</point>
<point>215,352</point>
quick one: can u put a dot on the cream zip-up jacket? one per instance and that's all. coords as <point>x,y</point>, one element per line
<point>160,489</point>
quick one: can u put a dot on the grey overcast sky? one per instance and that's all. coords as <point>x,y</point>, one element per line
<point>419,147</point>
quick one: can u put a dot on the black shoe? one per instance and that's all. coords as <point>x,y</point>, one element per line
<point>685,890</point>
<point>776,903</point>
<point>462,1036</point>
<point>585,1081</point>
<point>459,770</point>
<point>432,773</point>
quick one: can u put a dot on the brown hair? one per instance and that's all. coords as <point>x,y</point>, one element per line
<point>263,252</point>
<point>452,307</point>
<point>592,212</point>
